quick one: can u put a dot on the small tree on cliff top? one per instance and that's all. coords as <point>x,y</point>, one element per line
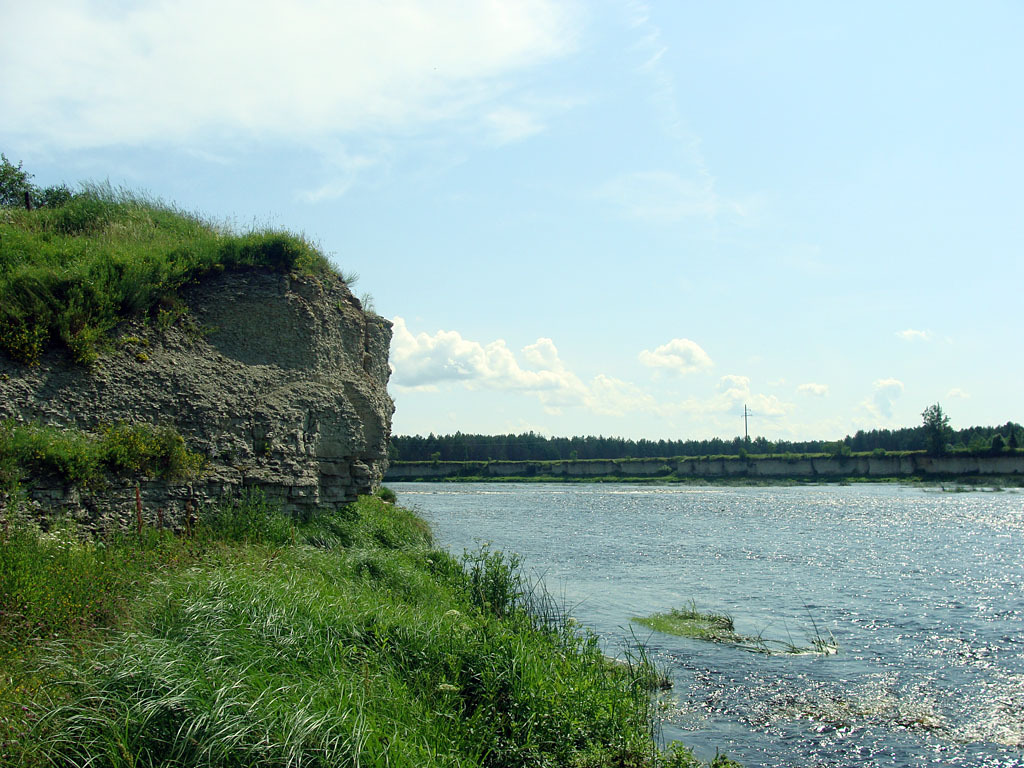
<point>936,428</point>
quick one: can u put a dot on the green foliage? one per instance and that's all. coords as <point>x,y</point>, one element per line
<point>386,494</point>
<point>529,446</point>
<point>689,622</point>
<point>58,583</point>
<point>719,628</point>
<point>221,651</point>
<point>14,183</point>
<point>70,273</point>
<point>248,517</point>
<point>83,458</point>
<point>937,430</point>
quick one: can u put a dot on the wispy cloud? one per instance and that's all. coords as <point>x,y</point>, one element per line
<point>910,334</point>
<point>240,70</point>
<point>663,197</point>
<point>958,394</point>
<point>735,392</point>
<point>678,356</point>
<point>685,188</point>
<point>812,388</point>
<point>506,125</point>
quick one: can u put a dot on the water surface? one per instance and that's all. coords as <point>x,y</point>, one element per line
<point>921,589</point>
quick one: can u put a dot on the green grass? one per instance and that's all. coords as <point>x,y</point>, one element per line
<point>69,274</point>
<point>29,451</point>
<point>689,622</point>
<point>719,628</point>
<point>345,640</point>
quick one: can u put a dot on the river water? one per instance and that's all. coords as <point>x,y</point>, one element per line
<point>920,589</point>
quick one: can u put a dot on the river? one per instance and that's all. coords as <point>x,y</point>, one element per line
<point>921,590</point>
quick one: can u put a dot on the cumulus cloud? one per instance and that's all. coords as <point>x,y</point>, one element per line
<point>427,362</point>
<point>170,71</point>
<point>886,392</point>
<point>679,356</point>
<point>423,361</point>
<point>911,334</point>
<point>812,388</point>
<point>958,394</point>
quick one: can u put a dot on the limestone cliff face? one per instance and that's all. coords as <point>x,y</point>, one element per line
<point>281,381</point>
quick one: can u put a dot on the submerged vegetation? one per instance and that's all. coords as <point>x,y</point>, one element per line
<point>265,641</point>
<point>719,628</point>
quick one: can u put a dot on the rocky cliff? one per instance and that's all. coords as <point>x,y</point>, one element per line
<point>280,381</point>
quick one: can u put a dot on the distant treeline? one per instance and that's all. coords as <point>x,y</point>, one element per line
<point>530,446</point>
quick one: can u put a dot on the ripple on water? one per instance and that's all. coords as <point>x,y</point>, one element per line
<point>922,591</point>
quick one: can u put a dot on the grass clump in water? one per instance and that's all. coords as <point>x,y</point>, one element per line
<point>345,640</point>
<point>689,622</point>
<point>719,628</point>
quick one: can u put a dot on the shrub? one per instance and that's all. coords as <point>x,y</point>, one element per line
<point>386,494</point>
<point>82,458</point>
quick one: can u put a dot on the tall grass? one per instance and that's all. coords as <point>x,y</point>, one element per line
<point>30,451</point>
<point>358,644</point>
<point>68,274</point>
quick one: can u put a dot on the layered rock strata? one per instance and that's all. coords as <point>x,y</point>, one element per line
<point>280,381</point>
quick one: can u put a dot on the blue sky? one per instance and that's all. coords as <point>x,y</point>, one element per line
<point>606,217</point>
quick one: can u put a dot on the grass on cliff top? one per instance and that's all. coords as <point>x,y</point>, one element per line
<point>69,273</point>
<point>262,641</point>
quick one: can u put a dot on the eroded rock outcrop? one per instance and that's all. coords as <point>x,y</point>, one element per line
<point>281,381</point>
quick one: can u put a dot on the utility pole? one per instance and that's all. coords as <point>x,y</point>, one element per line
<point>746,432</point>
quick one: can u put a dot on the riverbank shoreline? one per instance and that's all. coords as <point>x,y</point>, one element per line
<point>1005,470</point>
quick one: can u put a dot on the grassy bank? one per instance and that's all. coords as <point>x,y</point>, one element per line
<point>265,642</point>
<point>69,273</point>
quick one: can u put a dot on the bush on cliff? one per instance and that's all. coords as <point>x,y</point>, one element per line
<point>69,273</point>
<point>82,458</point>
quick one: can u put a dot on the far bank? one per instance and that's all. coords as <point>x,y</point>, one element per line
<point>807,467</point>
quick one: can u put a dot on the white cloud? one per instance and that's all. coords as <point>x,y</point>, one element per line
<point>172,71</point>
<point>812,388</point>
<point>424,361</point>
<point>911,334</point>
<point>886,392</point>
<point>427,362</point>
<point>733,393</point>
<point>663,197</point>
<point>679,355</point>
<point>507,125</point>
<point>958,394</point>
<point>611,396</point>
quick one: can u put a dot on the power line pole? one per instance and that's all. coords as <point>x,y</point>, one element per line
<point>746,432</point>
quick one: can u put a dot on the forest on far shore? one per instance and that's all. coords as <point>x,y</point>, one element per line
<point>530,446</point>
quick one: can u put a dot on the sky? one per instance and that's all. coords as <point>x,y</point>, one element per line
<point>589,218</point>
